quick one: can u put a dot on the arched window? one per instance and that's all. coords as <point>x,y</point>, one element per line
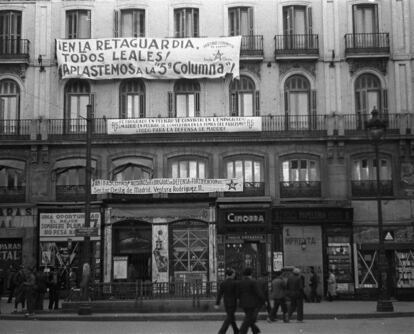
<point>132,98</point>
<point>185,101</point>
<point>244,99</point>
<point>300,103</point>
<point>131,171</point>
<point>188,168</point>
<point>250,170</point>
<point>70,182</point>
<point>12,184</point>
<point>77,97</point>
<point>9,106</point>
<point>369,95</point>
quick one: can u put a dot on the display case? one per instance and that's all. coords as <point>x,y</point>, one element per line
<point>404,268</point>
<point>340,262</point>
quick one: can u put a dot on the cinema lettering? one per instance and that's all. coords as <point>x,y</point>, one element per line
<point>245,218</point>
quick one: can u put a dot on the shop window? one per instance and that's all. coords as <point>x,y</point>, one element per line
<point>10,32</point>
<point>186,21</point>
<point>12,184</point>
<point>300,178</point>
<point>9,106</point>
<point>300,104</point>
<point>250,171</point>
<point>244,99</point>
<point>77,96</point>
<point>132,23</point>
<point>340,262</point>
<point>78,24</point>
<point>132,99</point>
<point>367,268</point>
<point>364,177</point>
<point>404,268</point>
<point>185,101</point>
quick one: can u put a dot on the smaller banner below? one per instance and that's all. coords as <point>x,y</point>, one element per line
<point>183,125</point>
<point>166,186</point>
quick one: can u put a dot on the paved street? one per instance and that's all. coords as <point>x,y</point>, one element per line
<point>351,326</point>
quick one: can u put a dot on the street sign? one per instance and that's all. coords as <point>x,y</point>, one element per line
<point>388,235</point>
<point>86,232</point>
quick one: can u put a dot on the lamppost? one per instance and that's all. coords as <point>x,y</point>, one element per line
<point>376,128</point>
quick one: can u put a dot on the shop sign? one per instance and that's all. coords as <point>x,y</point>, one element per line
<point>56,226</point>
<point>120,267</point>
<point>16,217</point>
<point>10,252</point>
<point>245,218</point>
<point>317,215</point>
<point>150,58</point>
<point>86,231</point>
<point>388,235</point>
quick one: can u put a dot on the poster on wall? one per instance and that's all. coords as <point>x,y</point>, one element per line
<point>120,267</point>
<point>10,253</point>
<point>160,253</point>
<point>277,261</point>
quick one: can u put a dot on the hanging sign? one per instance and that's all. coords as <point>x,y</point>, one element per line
<point>150,58</point>
<point>154,186</point>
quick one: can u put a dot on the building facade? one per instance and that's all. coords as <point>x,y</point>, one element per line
<point>311,71</point>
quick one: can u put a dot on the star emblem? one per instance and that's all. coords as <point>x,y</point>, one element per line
<point>218,55</point>
<point>232,185</point>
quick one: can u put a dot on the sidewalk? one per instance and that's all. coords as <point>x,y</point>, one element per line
<point>323,310</point>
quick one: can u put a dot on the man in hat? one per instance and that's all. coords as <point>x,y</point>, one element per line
<point>295,293</point>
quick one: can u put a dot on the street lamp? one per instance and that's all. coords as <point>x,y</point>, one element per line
<point>376,128</point>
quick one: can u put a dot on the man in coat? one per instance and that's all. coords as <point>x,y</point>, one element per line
<point>295,294</point>
<point>278,295</point>
<point>250,298</point>
<point>228,291</point>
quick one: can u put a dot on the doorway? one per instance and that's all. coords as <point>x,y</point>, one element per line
<point>241,255</point>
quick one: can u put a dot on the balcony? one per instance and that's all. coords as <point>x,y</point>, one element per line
<point>300,189</point>
<point>297,47</point>
<point>252,47</point>
<point>14,50</point>
<point>368,188</point>
<point>71,193</point>
<point>10,128</point>
<point>367,45</point>
<point>12,194</point>
<point>249,189</point>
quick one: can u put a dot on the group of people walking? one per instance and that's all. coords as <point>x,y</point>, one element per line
<point>251,295</point>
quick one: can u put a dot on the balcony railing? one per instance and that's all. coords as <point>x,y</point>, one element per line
<point>300,189</point>
<point>249,189</point>
<point>252,45</point>
<point>297,45</point>
<point>12,194</point>
<point>369,43</point>
<point>368,188</point>
<point>15,127</point>
<point>11,48</point>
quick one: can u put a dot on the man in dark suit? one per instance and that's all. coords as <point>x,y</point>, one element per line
<point>295,294</point>
<point>250,298</point>
<point>228,291</point>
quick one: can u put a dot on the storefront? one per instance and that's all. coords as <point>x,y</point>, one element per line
<point>61,243</point>
<point>153,242</point>
<point>243,236</point>
<point>398,262</point>
<point>318,237</point>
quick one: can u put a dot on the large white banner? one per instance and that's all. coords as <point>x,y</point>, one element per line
<point>154,186</point>
<point>183,125</point>
<point>151,58</point>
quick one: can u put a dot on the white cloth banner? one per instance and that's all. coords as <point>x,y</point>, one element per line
<point>151,58</point>
<point>154,186</point>
<point>183,125</point>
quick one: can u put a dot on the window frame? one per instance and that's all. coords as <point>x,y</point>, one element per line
<point>188,160</point>
<point>138,20</point>
<point>235,20</point>
<point>238,89</point>
<point>132,87</point>
<point>72,25</point>
<point>183,28</point>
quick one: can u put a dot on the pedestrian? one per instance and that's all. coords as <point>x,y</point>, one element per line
<point>40,289</point>
<point>10,283</point>
<point>1,285</point>
<point>84,284</point>
<point>295,293</point>
<point>264,286</point>
<point>29,290</point>
<point>19,290</point>
<point>278,295</point>
<point>228,291</point>
<point>313,283</point>
<point>53,284</point>
<point>250,298</point>
<point>331,286</point>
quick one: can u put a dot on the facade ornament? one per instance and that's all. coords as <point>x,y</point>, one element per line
<point>305,65</point>
<point>376,64</point>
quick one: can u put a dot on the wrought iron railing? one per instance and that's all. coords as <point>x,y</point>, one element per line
<point>368,188</point>
<point>367,43</point>
<point>298,189</point>
<point>251,45</point>
<point>14,47</point>
<point>15,127</point>
<point>12,194</point>
<point>249,189</point>
<point>297,44</point>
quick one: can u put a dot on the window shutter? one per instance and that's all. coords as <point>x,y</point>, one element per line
<point>234,97</point>
<point>309,17</point>
<point>116,23</point>
<point>250,18</point>
<point>313,109</point>
<point>197,104</point>
<point>171,107</point>
<point>384,106</point>
<point>142,106</point>
<point>257,104</point>
<point>122,113</point>
<point>286,98</point>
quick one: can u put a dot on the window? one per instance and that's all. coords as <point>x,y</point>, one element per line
<point>129,172</point>
<point>369,95</point>
<point>241,21</point>
<point>132,94</point>
<point>297,27</point>
<point>77,95</point>
<point>192,168</point>
<point>71,176</point>
<point>186,22</point>
<point>247,169</point>
<point>365,18</point>
<point>11,178</point>
<point>10,32</point>
<point>9,106</point>
<point>133,23</point>
<point>186,97</point>
<point>78,24</point>
<point>244,99</point>
<point>300,103</point>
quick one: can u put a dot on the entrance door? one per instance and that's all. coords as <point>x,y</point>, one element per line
<point>139,267</point>
<point>245,255</point>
